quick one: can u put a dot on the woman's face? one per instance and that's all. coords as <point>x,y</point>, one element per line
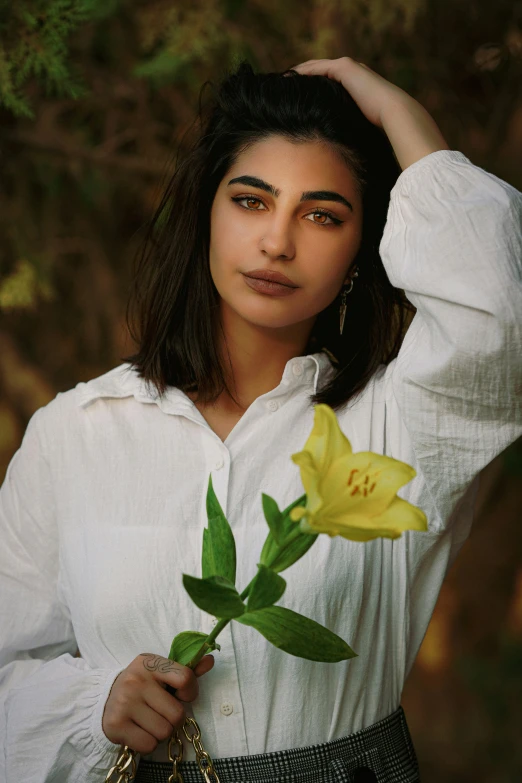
<point>285,230</point>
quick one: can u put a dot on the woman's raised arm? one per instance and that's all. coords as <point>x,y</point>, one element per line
<point>453,242</point>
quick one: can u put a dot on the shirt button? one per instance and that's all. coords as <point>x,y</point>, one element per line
<point>272,405</point>
<point>218,464</point>
<point>297,368</point>
<point>227,708</point>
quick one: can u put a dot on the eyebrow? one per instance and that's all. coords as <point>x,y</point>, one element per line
<point>308,195</point>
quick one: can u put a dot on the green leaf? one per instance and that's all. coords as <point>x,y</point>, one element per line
<point>187,644</point>
<point>298,635</point>
<point>273,517</point>
<point>270,551</point>
<point>287,556</point>
<point>214,595</point>
<point>219,548</point>
<point>278,556</point>
<point>267,588</point>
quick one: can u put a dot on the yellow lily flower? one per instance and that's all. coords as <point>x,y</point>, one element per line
<point>351,495</point>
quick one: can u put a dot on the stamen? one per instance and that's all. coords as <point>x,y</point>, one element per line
<point>356,488</point>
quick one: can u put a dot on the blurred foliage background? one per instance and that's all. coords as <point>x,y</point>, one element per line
<point>95,96</point>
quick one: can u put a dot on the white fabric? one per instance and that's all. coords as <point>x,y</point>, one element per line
<point>103,507</point>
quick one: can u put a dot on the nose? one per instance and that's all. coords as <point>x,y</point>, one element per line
<point>277,241</point>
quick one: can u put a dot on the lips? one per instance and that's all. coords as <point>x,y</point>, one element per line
<point>272,277</point>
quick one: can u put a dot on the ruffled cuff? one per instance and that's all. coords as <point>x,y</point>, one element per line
<point>101,742</point>
<point>53,727</point>
<point>104,753</point>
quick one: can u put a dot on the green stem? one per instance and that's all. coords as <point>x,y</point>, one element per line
<point>246,591</point>
<point>296,532</point>
<point>216,630</point>
<point>223,623</point>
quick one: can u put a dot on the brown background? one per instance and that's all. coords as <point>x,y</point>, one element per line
<point>91,113</point>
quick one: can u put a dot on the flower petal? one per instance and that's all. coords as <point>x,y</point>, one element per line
<point>377,475</point>
<point>309,478</point>
<point>326,442</point>
<point>400,516</point>
<point>297,512</point>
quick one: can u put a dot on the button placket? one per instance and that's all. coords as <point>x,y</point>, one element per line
<point>218,465</point>
<point>226,699</point>
<point>221,692</point>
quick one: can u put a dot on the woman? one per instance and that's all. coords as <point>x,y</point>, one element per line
<point>341,182</point>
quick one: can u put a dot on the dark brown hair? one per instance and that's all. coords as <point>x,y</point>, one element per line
<point>174,299</point>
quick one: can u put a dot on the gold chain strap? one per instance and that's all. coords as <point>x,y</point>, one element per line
<point>176,776</point>
<point>121,768</point>
<point>205,763</point>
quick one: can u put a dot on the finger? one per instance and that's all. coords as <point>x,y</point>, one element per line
<point>190,689</point>
<point>306,64</point>
<point>328,64</point>
<point>149,720</point>
<point>168,672</point>
<point>204,665</point>
<point>328,68</point>
<point>138,739</point>
<point>169,708</point>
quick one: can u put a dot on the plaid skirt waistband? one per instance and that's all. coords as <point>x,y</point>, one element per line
<point>381,753</point>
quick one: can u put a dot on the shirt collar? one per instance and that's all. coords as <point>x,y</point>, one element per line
<point>124,381</point>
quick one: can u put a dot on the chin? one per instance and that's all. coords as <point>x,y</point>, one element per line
<point>267,323</point>
<point>263,316</point>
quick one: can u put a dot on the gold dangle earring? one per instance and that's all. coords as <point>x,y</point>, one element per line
<point>346,291</point>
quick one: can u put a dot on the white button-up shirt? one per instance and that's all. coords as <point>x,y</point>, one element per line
<point>103,507</point>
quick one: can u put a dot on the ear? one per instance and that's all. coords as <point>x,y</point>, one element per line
<point>354,269</point>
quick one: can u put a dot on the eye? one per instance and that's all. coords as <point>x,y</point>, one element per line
<point>325,213</point>
<point>238,199</point>
<point>321,212</point>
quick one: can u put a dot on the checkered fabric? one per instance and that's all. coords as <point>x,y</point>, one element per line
<point>382,753</point>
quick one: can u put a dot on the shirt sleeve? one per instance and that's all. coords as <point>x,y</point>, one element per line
<point>453,242</point>
<point>51,703</point>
